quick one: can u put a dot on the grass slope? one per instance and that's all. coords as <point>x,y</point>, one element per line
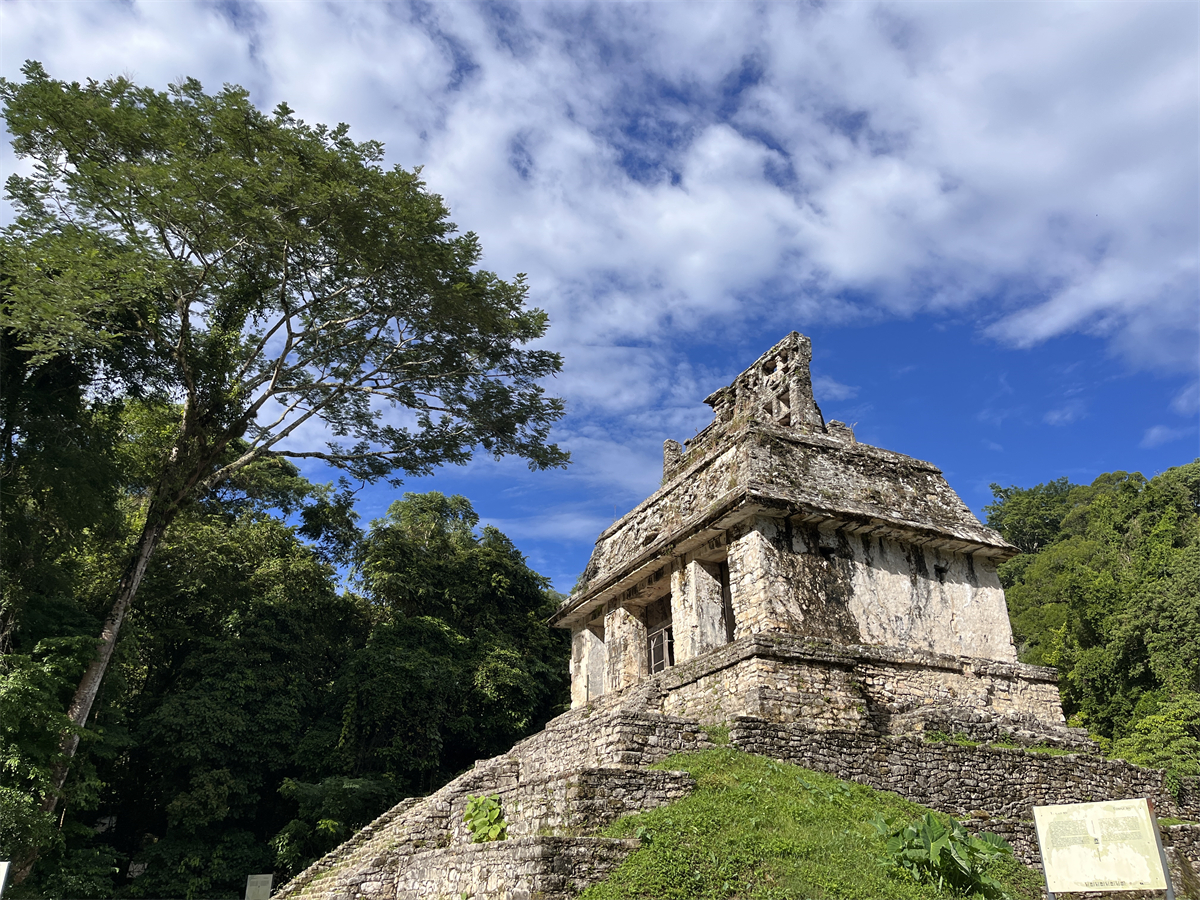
<point>757,829</point>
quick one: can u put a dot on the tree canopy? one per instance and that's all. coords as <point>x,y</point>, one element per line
<point>243,277</point>
<point>1109,592</point>
<point>274,272</point>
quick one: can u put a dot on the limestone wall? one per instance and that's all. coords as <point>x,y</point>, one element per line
<point>826,685</point>
<point>582,802</point>
<point>860,589</point>
<point>589,664</point>
<point>922,597</point>
<point>697,608</point>
<point>625,645</point>
<point>577,775</point>
<point>583,739</point>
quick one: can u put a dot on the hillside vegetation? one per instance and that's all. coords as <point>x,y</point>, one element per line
<point>1108,590</point>
<point>758,829</point>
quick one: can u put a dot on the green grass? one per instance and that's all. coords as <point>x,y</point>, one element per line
<point>1034,748</point>
<point>757,829</point>
<point>940,737</point>
<point>718,734</point>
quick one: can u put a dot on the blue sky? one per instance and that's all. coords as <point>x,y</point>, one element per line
<point>985,215</point>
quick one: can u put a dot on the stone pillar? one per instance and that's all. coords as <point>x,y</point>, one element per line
<point>587,666</point>
<point>625,645</point>
<point>697,610</point>
<point>755,586</point>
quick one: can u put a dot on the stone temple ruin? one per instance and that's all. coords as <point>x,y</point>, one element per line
<point>773,522</point>
<point>831,603</point>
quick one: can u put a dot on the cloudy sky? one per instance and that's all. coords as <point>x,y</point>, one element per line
<point>984,214</point>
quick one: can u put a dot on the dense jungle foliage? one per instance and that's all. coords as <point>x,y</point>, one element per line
<point>1108,590</point>
<point>256,713</point>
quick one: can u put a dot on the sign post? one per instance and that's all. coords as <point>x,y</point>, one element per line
<point>1110,846</point>
<point>258,887</point>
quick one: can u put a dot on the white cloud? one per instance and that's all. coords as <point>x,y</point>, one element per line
<point>1187,401</point>
<point>670,173</point>
<point>660,168</point>
<point>569,522</point>
<point>1065,415</point>
<point>1162,434</point>
<point>825,388</point>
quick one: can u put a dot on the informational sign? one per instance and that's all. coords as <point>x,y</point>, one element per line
<point>1109,846</point>
<point>258,887</point>
<point>3,876</point>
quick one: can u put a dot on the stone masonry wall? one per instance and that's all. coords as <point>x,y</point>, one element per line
<point>788,678</point>
<point>822,696</point>
<point>625,650</point>
<point>786,575</point>
<point>582,802</point>
<point>903,595</point>
<point>697,609</point>
<point>582,771</point>
<point>588,665</point>
<point>959,780</point>
<point>587,738</point>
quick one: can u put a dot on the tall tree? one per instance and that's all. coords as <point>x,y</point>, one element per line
<point>279,277</point>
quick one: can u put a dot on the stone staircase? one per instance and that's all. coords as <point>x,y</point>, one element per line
<point>556,788</point>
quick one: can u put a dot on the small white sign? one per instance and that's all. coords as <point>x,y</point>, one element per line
<point>258,887</point>
<point>3,876</point>
<point>1109,846</point>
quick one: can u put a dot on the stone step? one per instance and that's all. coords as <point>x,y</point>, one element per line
<point>542,867</point>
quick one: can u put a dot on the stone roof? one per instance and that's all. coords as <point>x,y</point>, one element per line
<point>769,449</point>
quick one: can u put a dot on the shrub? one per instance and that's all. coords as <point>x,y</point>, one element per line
<point>950,858</point>
<point>485,819</point>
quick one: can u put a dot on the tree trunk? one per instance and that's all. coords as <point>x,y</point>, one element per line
<point>89,685</point>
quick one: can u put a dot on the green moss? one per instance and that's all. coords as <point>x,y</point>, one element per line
<point>757,829</point>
